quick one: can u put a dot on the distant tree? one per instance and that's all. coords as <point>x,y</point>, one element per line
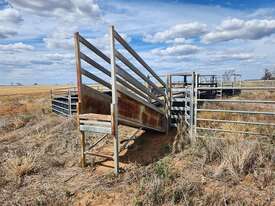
<point>35,84</point>
<point>228,74</point>
<point>267,74</point>
<point>19,84</point>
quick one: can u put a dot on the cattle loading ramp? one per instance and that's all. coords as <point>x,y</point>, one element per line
<point>127,96</point>
<point>131,95</point>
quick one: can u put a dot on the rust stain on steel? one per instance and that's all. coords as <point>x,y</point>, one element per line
<point>131,109</point>
<point>93,101</point>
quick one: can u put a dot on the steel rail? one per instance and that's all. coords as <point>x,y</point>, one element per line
<point>236,122</point>
<point>238,101</point>
<point>236,88</point>
<point>137,57</point>
<point>236,111</point>
<point>121,72</point>
<point>230,131</point>
<point>137,71</point>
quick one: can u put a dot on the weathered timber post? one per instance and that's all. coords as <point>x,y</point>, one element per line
<point>79,82</point>
<point>114,112</point>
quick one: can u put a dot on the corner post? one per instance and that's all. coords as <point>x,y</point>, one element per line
<point>114,112</point>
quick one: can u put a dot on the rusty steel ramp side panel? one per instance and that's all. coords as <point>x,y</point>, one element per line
<point>131,112</point>
<point>93,101</point>
<point>134,113</point>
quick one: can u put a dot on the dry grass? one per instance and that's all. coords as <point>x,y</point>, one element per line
<point>181,139</point>
<point>225,171</point>
<point>29,90</point>
<point>240,159</point>
<point>16,167</point>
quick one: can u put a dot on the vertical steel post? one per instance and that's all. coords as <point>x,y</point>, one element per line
<point>195,105</point>
<point>51,93</point>
<point>149,88</point>
<point>192,107</point>
<point>169,99</point>
<point>69,103</point>
<point>114,112</point>
<point>79,86</point>
<point>221,88</point>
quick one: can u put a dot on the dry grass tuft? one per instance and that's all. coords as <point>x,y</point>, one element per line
<point>17,167</point>
<point>210,149</point>
<point>182,138</point>
<point>239,159</point>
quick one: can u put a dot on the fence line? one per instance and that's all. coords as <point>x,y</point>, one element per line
<point>195,118</point>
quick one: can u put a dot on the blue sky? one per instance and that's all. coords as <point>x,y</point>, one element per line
<point>212,36</point>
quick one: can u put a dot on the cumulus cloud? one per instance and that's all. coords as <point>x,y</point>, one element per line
<point>16,47</point>
<point>59,56</point>
<point>230,56</point>
<point>178,31</point>
<point>177,50</point>
<point>9,20</point>
<point>58,8</point>
<point>179,41</point>
<point>59,40</point>
<point>231,29</point>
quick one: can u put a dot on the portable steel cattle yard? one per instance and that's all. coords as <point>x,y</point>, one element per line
<point>136,96</point>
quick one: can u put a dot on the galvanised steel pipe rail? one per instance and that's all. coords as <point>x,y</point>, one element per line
<point>235,111</point>
<point>230,131</point>
<point>236,88</point>
<point>236,122</point>
<point>197,88</point>
<point>238,101</point>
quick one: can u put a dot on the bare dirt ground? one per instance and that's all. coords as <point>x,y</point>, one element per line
<point>39,165</point>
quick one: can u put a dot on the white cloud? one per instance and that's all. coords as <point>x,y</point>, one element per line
<point>59,40</point>
<point>177,50</point>
<point>16,47</point>
<point>58,8</point>
<point>179,41</point>
<point>227,56</point>
<point>240,29</point>
<point>9,20</point>
<point>10,16</point>
<point>186,30</point>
